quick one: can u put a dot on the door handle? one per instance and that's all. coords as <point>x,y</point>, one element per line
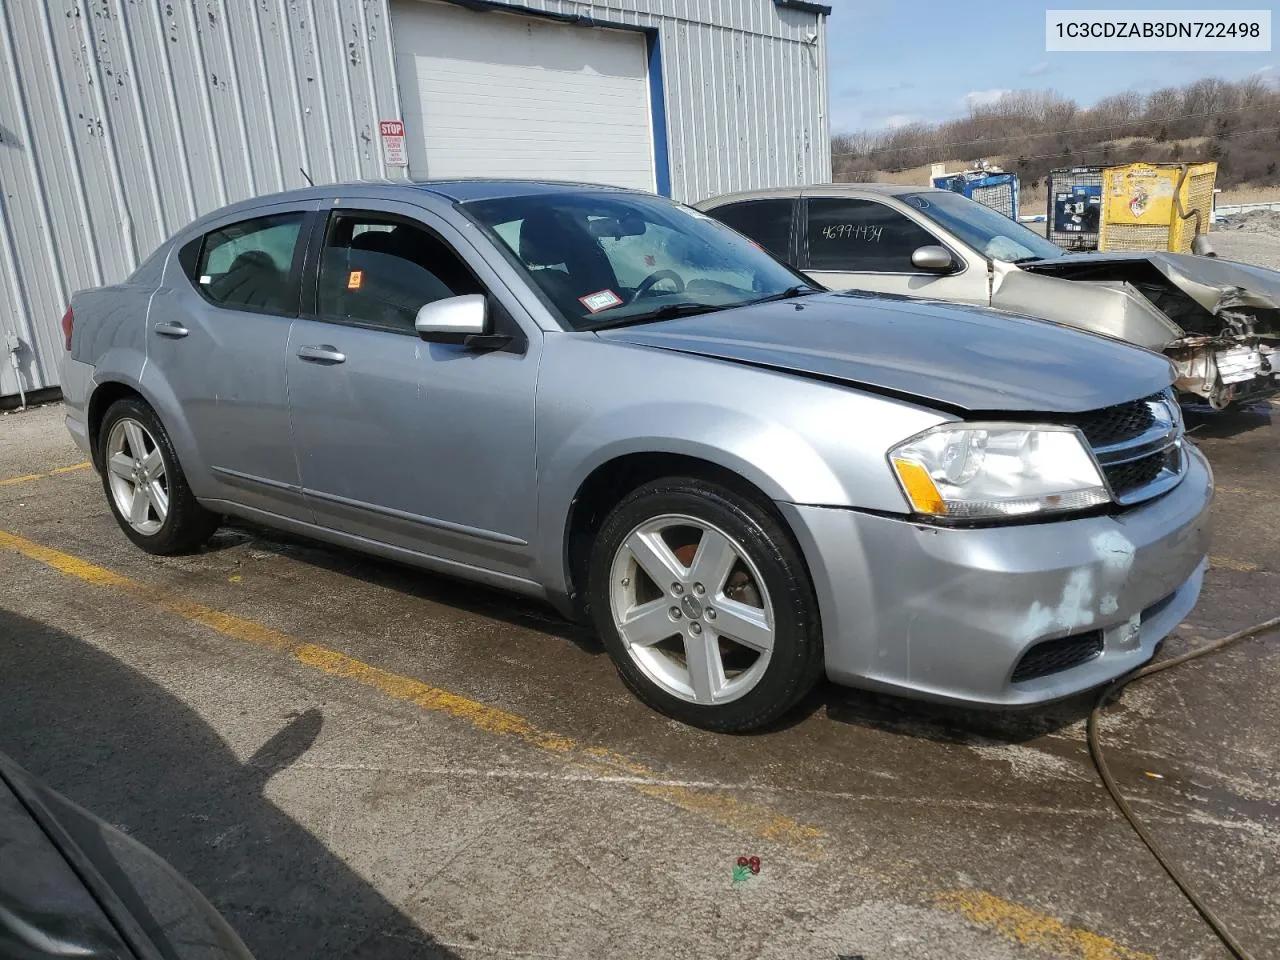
<point>170,328</point>
<point>324,353</point>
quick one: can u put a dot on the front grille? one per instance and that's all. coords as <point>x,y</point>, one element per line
<point>1116,424</point>
<point>1125,478</point>
<point>1137,447</point>
<point>1054,656</point>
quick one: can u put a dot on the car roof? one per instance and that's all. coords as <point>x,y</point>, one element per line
<point>822,189</point>
<point>455,191</point>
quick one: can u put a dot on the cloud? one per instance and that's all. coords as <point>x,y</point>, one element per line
<point>1268,75</point>
<point>981,98</point>
<point>896,120</point>
<point>1037,69</point>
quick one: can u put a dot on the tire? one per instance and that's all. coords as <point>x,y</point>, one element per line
<point>756,615</point>
<point>170,520</point>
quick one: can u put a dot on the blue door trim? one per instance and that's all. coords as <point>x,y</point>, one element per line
<point>658,109</point>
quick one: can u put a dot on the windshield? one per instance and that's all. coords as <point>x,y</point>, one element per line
<point>992,234</point>
<point>605,259</point>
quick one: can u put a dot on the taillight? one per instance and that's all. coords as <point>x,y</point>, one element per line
<point>68,321</point>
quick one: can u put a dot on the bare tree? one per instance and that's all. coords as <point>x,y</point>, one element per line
<point>1034,131</point>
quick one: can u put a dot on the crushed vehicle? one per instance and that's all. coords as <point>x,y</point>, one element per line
<point>616,404</point>
<point>1218,321</point>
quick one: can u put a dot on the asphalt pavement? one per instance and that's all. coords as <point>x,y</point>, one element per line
<point>355,759</point>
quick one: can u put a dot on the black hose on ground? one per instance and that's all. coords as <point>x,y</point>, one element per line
<point>1095,751</point>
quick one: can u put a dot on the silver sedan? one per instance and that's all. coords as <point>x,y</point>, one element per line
<point>612,402</point>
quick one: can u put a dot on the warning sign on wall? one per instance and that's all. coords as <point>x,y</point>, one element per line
<point>393,143</point>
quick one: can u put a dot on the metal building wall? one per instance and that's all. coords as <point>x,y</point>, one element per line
<point>746,88</point>
<point>122,120</point>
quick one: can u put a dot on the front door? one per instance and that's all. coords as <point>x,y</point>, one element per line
<point>217,330</point>
<point>849,243</point>
<point>425,446</point>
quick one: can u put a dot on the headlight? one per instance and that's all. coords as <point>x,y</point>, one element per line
<point>984,470</point>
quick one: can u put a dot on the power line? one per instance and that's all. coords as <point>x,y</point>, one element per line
<point>1048,133</point>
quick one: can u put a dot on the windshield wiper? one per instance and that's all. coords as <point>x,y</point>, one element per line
<point>1031,259</point>
<point>799,290</point>
<point>669,312</point>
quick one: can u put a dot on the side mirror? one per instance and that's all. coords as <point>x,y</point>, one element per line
<point>463,320</point>
<point>934,258</point>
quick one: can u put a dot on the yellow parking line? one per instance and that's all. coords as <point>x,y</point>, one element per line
<point>11,481</point>
<point>726,810</point>
<point>1009,920</point>
<point>1032,929</point>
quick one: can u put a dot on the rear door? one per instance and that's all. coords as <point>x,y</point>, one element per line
<point>217,331</point>
<point>426,446</point>
<point>852,243</point>
<point>769,221</point>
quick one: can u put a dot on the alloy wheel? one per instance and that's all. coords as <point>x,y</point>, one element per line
<point>692,609</point>
<point>136,472</point>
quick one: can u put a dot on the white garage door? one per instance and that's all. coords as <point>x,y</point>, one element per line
<point>499,95</point>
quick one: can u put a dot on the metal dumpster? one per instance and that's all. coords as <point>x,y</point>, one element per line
<point>999,191</point>
<point>1074,214</point>
<point>1156,206</point>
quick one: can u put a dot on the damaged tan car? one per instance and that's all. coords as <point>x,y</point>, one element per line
<point>1218,321</point>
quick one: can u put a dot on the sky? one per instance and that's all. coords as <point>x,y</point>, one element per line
<point>894,62</point>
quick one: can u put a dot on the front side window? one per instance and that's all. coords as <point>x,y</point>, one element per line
<point>601,257</point>
<point>862,236</point>
<point>767,222</point>
<point>246,266</point>
<point>378,271</point>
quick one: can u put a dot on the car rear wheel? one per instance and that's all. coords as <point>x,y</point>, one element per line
<point>705,606</point>
<point>145,485</point>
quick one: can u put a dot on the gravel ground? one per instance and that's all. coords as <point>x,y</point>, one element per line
<point>1257,241</point>
<point>1260,249</point>
<point>1253,221</point>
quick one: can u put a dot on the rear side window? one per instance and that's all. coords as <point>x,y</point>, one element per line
<point>767,222</point>
<point>247,265</point>
<point>862,236</point>
<point>378,271</point>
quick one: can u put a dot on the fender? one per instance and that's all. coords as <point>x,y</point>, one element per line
<point>789,436</point>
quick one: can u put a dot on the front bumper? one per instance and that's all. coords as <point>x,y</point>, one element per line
<point>946,614</point>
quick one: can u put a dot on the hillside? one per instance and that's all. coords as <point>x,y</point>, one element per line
<point>1033,132</point>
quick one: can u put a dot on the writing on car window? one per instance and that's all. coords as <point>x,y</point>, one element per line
<point>853,231</point>
<point>849,233</point>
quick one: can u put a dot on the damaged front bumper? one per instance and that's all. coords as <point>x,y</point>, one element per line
<point>1004,616</point>
<point>1224,371</point>
<point>1218,321</point>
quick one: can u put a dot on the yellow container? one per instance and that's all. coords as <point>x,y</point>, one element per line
<point>1156,206</point>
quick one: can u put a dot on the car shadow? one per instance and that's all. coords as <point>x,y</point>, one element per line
<point>1204,423</point>
<point>941,723</point>
<point>113,741</point>
<point>883,712</point>
<point>437,588</point>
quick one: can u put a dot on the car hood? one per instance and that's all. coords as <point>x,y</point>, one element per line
<point>949,355</point>
<point>1214,283</point>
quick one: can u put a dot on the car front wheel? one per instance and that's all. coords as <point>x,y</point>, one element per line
<point>705,605</point>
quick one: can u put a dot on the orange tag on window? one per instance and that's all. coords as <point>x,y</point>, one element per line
<point>355,279</point>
